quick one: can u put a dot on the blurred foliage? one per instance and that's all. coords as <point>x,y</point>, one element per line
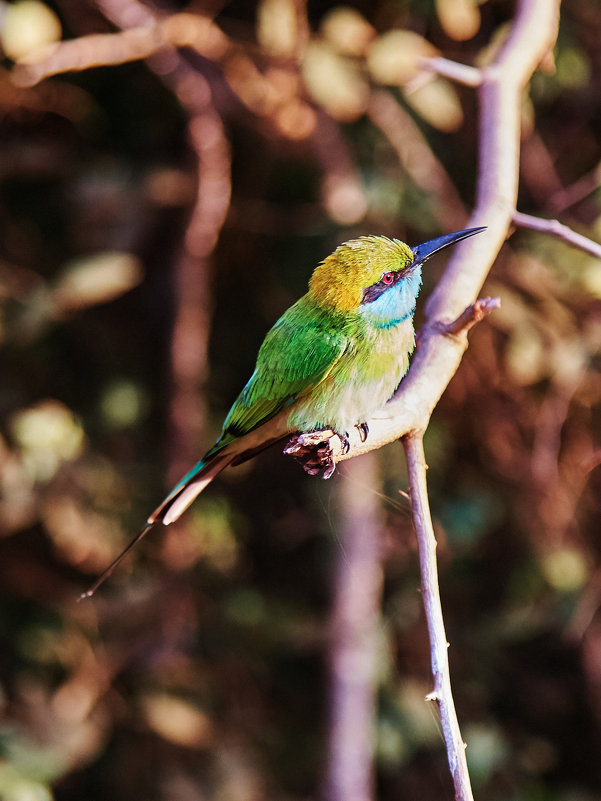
<point>198,671</point>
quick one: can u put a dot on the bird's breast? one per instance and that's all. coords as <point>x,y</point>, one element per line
<point>363,379</point>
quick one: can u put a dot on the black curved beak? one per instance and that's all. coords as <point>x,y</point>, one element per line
<point>432,246</point>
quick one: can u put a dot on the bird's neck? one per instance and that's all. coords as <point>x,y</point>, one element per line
<point>395,305</point>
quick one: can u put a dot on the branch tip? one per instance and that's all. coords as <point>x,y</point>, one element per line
<point>558,229</point>
<point>473,314</point>
<point>460,73</point>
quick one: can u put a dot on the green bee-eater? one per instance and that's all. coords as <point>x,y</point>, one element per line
<point>332,359</point>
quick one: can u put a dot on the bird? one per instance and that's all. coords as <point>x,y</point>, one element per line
<point>332,359</point>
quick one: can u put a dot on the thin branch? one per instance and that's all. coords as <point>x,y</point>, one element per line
<point>538,171</point>
<point>460,73</point>
<point>442,694</point>
<point>555,228</point>
<point>133,43</point>
<point>579,190</point>
<point>146,34</point>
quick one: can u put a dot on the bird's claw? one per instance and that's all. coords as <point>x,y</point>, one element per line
<point>344,441</point>
<point>315,449</point>
<point>363,430</point>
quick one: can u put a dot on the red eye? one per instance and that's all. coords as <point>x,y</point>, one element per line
<point>387,279</point>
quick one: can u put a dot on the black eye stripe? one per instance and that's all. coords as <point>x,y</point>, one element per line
<point>374,291</point>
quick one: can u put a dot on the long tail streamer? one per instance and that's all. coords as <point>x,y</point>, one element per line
<point>106,573</point>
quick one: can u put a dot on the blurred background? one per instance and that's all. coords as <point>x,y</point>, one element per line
<point>165,194</point>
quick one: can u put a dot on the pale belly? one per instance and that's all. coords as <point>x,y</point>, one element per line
<point>360,383</point>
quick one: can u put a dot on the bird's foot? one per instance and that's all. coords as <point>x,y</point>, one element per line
<point>363,430</point>
<point>314,451</point>
<point>345,443</point>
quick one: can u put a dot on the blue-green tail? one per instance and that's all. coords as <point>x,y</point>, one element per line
<point>191,485</point>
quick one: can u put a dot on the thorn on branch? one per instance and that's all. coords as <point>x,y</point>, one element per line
<point>473,314</point>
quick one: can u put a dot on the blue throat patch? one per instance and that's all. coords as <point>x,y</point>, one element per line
<point>396,304</point>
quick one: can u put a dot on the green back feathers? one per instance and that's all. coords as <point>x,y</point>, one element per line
<point>296,355</point>
<point>338,282</point>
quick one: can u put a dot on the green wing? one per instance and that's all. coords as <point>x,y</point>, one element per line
<point>296,355</point>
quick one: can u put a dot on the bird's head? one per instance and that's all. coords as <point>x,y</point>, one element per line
<point>363,271</point>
